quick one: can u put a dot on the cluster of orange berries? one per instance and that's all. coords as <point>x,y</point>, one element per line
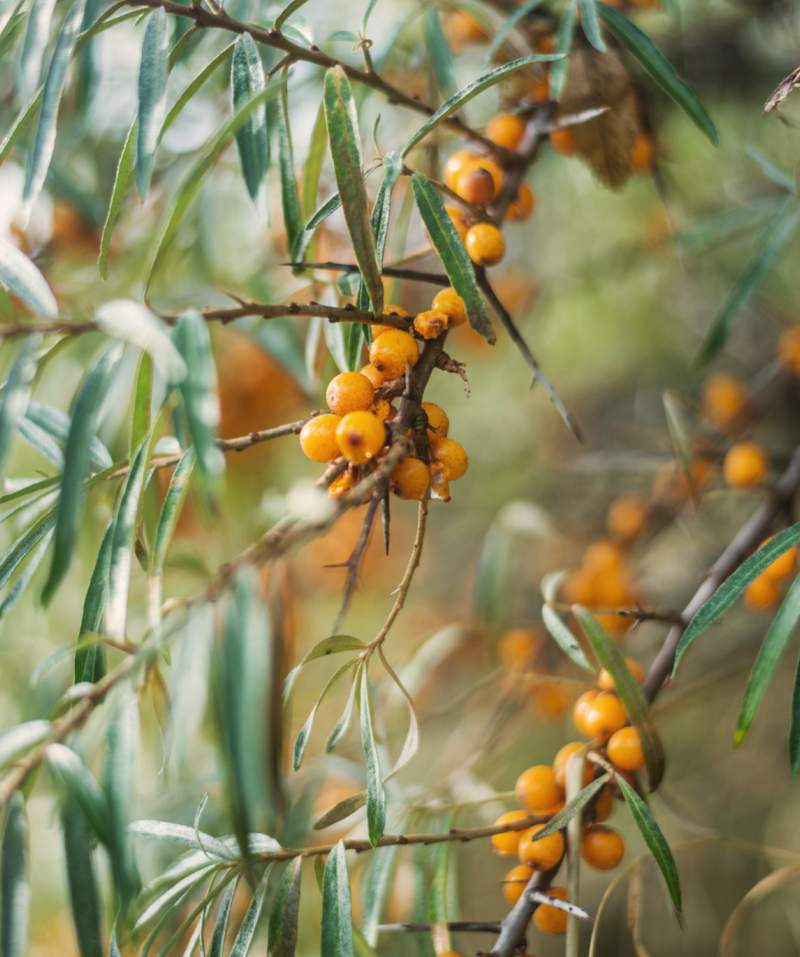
<point>361,412</point>
<point>604,578</point>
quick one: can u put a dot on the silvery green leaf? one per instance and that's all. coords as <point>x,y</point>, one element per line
<point>134,323</point>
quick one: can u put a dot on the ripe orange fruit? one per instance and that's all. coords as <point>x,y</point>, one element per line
<point>522,205</point>
<point>452,305</point>
<point>430,324</point>
<point>515,882</point>
<point>506,130</point>
<point>581,709</point>
<point>783,566</point>
<point>456,164</point>
<point>383,409</point>
<point>476,185</point>
<point>542,854</point>
<point>349,392</point>
<point>457,217</point>
<point>360,436</point>
<point>643,153</point>
<point>602,847</point>
<point>549,919</point>
<point>563,141</point>
<point>508,841</point>
<point>603,555</point>
<point>342,484</point>
<point>485,244</point>
<point>438,422</point>
<point>745,465</point>
<point>762,593</point>
<point>606,682</point>
<point>318,438</point>
<point>605,715</point>
<point>789,350</point>
<point>518,646</point>
<point>462,29</point>
<point>624,749</point>
<point>391,351</point>
<point>725,401</point>
<point>410,478</point>
<point>604,804</point>
<point>537,789</point>
<point>371,373</point>
<point>627,517</point>
<point>449,458</point>
<point>561,761</point>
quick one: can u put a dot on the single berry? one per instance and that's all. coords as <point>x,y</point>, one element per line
<point>392,310</point>
<point>549,919</point>
<point>508,841</point>
<point>562,141</point>
<point>383,409</point>
<point>643,153</point>
<point>457,217</point>
<point>462,29</point>
<point>762,593</point>
<point>606,682</point>
<point>440,486</point>
<point>438,422</point>
<point>745,465</point>
<point>603,555</point>
<point>602,847</point>
<point>537,789</point>
<point>604,804</point>
<point>605,715</point>
<point>725,401</point>
<point>375,377</point>
<point>522,205</point>
<point>475,185</point>
<point>342,484</point>
<point>581,709</point>
<point>430,324</point>
<point>456,164</point>
<point>783,566</point>
<point>789,350</point>
<point>410,478</point>
<point>318,438</point>
<point>349,392</point>
<point>506,130</point>
<point>517,647</point>
<point>542,854</point>
<point>449,457</point>
<point>515,882</point>
<point>392,351</point>
<point>561,761</point>
<point>624,749</point>
<point>452,305</point>
<point>360,436</point>
<point>485,244</point>
<point>627,517</point>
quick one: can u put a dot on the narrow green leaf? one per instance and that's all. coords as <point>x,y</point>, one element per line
<point>564,638</point>
<point>333,645</point>
<point>57,425</point>
<point>305,732</point>
<point>247,79</point>
<point>659,68</point>
<point>770,170</point>
<point>119,777</point>
<point>82,881</point>
<point>376,886</point>
<point>345,146</point>
<point>341,810</point>
<point>23,280</point>
<point>724,225</point>
<point>15,892</point>
<point>19,125</point>
<point>90,661</point>
<point>440,56</point>
<point>376,795</point>
<point>591,25</point>
<point>290,198</point>
<point>777,233</point>
<point>337,922</point>
<point>24,578</point>
<point>247,929</point>
<point>41,442</point>
<point>451,250</point>
<point>564,40</point>
<point>217,947</point>
<point>472,89</point>
<point>733,587</point>
<point>507,26</point>
<point>285,911</point>
<point>19,550</point>
<point>16,393</point>
<point>12,22</point>
<point>17,741</point>
<point>44,140</point>
<point>122,180</point>
<point>142,402</point>
<point>85,419</point>
<point>287,11</point>
<point>794,730</point>
<point>578,803</point>
<point>189,684</point>
<point>184,836</point>
<point>171,511</point>
<point>37,29</point>
<point>75,782</point>
<point>153,69</point>
<point>654,839</point>
<point>313,164</point>
<point>341,726</point>
<point>192,87</point>
<point>134,323</point>
<point>325,210</point>
<point>772,647</point>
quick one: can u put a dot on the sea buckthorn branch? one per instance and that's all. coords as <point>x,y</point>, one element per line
<point>455,926</point>
<point>394,272</point>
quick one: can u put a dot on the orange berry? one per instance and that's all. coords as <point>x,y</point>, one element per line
<point>452,305</point>
<point>606,682</point>
<point>603,555</point>
<point>561,761</point>
<point>562,141</point>
<point>579,588</point>
<point>549,919</point>
<point>475,185</point>
<point>492,168</point>
<point>551,699</point>
<point>371,373</point>
<point>627,517</point>
<point>602,847</point>
<point>783,566</point>
<point>581,709</point>
<point>449,458</point>
<point>517,647</point>
<point>485,244</point>
<point>624,749</point>
<point>508,841</point>
<point>391,351</point>
<point>522,205</point>
<point>537,90</point>
<point>430,324</point>
<point>383,409</point>
<point>745,465</point>
<point>349,392</point>
<point>643,153</point>
<point>537,789</point>
<point>456,164</point>
<point>506,130</point>
<point>605,715</point>
<point>339,486</point>
<point>410,478</point>
<point>360,436</point>
<point>462,29</point>
<point>438,422</point>
<point>604,804</point>
<point>725,401</point>
<point>546,43</point>
<point>789,350</point>
<point>762,593</point>
<point>318,438</point>
<point>515,882</point>
<point>542,854</point>
<point>457,217</point>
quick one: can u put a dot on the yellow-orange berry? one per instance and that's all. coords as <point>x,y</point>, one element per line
<point>461,29</point>
<point>485,244</point>
<point>376,378</point>
<point>489,166</point>
<point>745,465</point>
<point>603,555</point>
<point>604,804</point>
<point>456,164</point>
<point>392,351</point>
<point>506,130</point>
<point>318,438</point>
<point>410,478</point>
<point>440,486</point>
<point>452,305</point>
<point>561,761</point>
<point>438,422</point>
<point>606,682</point>
<point>449,457</point>
<point>783,566</point>
<point>602,847</point>
<point>457,217</point>
<point>551,699</point>
<point>430,324</point>
<point>537,789</point>
<point>360,436</point>
<point>605,715</point>
<point>543,853</point>
<point>508,841</point>
<point>725,401</point>
<point>549,919</point>
<point>627,517</point>
<point>624,749</point>
<point>789,350</point>
<point>517,647</point>
<point>762,593</point>
<point>562,141</point>
<point>515,882</point>
<point>343,483</point>
<point>580,588</point>
<point>643,153</point>
<point>522,205</point>
<point>390,310</point>
<point>475,185</point>
<point>383,409</point>
<point>581,709</point>
<point>349,392</point>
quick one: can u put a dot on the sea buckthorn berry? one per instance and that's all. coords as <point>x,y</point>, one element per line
<point>457,217</point>
<point>391,351</point>
<point>580,587</point>
<point>537,90</point>
<point>562,141</point>
<point>745,465</point>
<point>604,804</point>
<point>440,485</point>
<point>452,305</point>
<point>485,244</point>
<point>725,401</point>
<point>318,438</point>
<point>549,919</point>
<point>462,29</point>
<point>438,422</point>
<point>349,392</point>
<point>606,682</point>
<point>508,841</point>
<point>542,854</point>
<point>602,847</point>
<point>551,699</point>
<point>605,715</point>
<point>506,130</point>
<point>515,882</point>
<point>376,378</point>
<point>410,478</point>
<point>561,761</point>
<point>492,169</point>
<point>430,324</point>
<point>581,709</point>
<point>360,436</point>
<point>762,593</point>
<point>449,457</point>
<point>789,350</point>
<point>342,484</point>
<point>522,205</point>
<point>383,409</point>
<point>627,517</point>
<point>546,43</point>
<point>537,789</point>
<point>517,647</point>
<point>624,749</point>
<point>476,185</point>
<point>456,164</point>
<point>603,555</point>
<point>643,153</point>
<point>783,566</point>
